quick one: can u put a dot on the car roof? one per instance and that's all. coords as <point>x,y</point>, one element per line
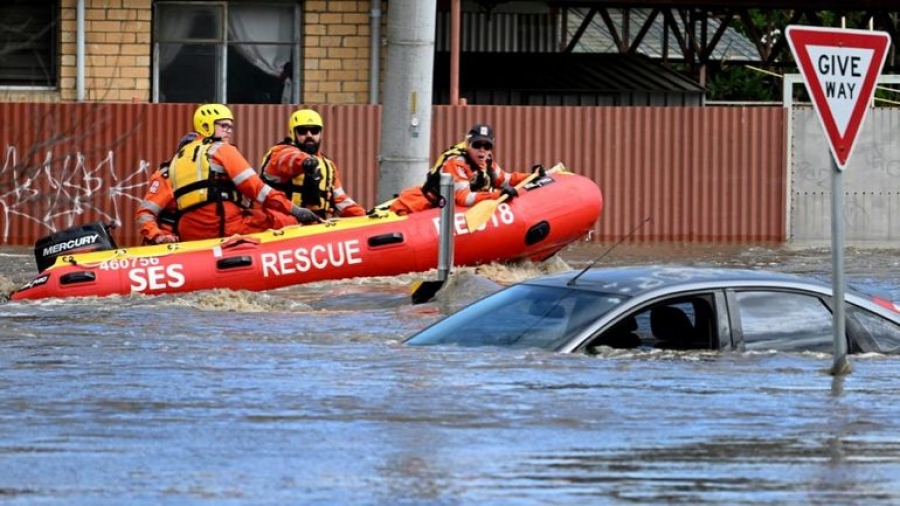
<point>641,279</point>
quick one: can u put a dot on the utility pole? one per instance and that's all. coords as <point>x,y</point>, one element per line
<point>406,110</point>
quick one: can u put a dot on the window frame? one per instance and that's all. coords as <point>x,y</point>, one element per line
<point>223,43</point>
<point>713,301</point>
<point>54,51</point>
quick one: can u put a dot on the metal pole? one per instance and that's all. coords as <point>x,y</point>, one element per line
<point>841,362</point>
<point>455,17</point>
<point>374,53</point>
<point>445,251</point>
<point>407,96</point>
<point>295,56</point>
<point>80,52</point>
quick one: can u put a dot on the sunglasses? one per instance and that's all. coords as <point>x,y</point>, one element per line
<point>225,126</point>
<point>302,130</point>
<point>482,145</point>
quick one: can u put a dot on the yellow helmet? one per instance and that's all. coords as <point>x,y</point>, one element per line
<point>206,115</point>
<point>304,117</point>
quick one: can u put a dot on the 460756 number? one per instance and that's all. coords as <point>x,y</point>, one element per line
<point>128,263</point>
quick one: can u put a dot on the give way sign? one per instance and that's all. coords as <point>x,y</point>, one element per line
<point>840,68</point>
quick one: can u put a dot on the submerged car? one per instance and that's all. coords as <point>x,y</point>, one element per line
<point>671,307</point>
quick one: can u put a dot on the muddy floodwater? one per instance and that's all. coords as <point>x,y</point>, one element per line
<point>306,395</point>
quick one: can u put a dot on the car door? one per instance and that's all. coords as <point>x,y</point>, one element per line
<point>870,332</point>
<point>782,320</point>
<point>683,321</point>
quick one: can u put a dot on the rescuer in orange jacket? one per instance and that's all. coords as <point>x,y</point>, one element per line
<point>476,176</point>
<point>210,179</point>
<point>298,167</point>
<point>155,216</point>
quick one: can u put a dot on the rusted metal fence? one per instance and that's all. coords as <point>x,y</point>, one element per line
<point>711,174</point>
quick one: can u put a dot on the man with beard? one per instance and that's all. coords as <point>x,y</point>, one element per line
<point>211,180</point>
<point>298,167</point>
<point>476,175</point>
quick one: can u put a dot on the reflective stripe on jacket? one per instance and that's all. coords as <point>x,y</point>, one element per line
<point>155,214</point>
<point>282,168</point>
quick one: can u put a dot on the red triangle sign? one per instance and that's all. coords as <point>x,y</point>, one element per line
<point>840,69</point>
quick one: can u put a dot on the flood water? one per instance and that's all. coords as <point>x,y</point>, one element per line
<point>306,395</point>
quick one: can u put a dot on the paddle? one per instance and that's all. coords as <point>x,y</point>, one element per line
<point>481,212</point>
<point>383,207</point>
<point>425,290</point>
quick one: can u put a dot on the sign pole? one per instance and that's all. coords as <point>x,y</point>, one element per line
<point>840,69</point>
<point>841,363</point>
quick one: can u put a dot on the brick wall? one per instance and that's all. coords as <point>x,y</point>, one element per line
<point>336,51</point>
<point>118,49</point>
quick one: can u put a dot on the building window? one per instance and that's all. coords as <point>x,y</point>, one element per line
<point>29,43</point>
<point>226,52</point>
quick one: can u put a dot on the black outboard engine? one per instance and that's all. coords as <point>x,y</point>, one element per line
<point>91,237</point>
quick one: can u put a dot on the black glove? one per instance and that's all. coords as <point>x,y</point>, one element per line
<point>509,191</point>
<point>310,192</point>
<point>539,168</point>
<point>311,167</point>
<point>304,215</point>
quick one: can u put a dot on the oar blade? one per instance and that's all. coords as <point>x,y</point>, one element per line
<point>480,213</point>
<point>424,291</point>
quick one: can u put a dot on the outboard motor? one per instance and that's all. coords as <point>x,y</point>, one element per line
<point>91,237</point>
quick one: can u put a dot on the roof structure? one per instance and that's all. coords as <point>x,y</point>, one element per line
<point>659,42</point>
<point>831,5</point>
<point>568,79</point>
<point>693,31</point>
<point>700,36</point>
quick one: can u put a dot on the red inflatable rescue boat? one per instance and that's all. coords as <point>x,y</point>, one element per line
<point>550,213</point>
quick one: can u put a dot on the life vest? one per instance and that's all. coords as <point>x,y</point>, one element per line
<point>480,181</point>
<point>196,181</point>
<point>315,197</point>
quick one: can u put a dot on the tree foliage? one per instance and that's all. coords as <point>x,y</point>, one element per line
<point>731,81</point>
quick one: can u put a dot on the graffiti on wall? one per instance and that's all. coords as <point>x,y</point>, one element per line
<point>60,191</point>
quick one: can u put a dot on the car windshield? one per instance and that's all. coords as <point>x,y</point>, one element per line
<point>521,316</point>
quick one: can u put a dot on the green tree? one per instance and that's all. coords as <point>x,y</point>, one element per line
<point>729,81</point>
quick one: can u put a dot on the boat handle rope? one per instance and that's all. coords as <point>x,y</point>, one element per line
<point>71,260</point>
<point>116,254</point>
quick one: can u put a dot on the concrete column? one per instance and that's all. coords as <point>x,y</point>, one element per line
<point>406,110</point>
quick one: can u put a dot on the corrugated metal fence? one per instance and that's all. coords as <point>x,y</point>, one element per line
<point>712,174</point>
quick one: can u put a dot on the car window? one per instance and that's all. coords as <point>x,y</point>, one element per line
<point>521,316</point>
<point>871,333</point>
<point>683,323</point>
<point>672,324</point>
<point>784,321</point>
